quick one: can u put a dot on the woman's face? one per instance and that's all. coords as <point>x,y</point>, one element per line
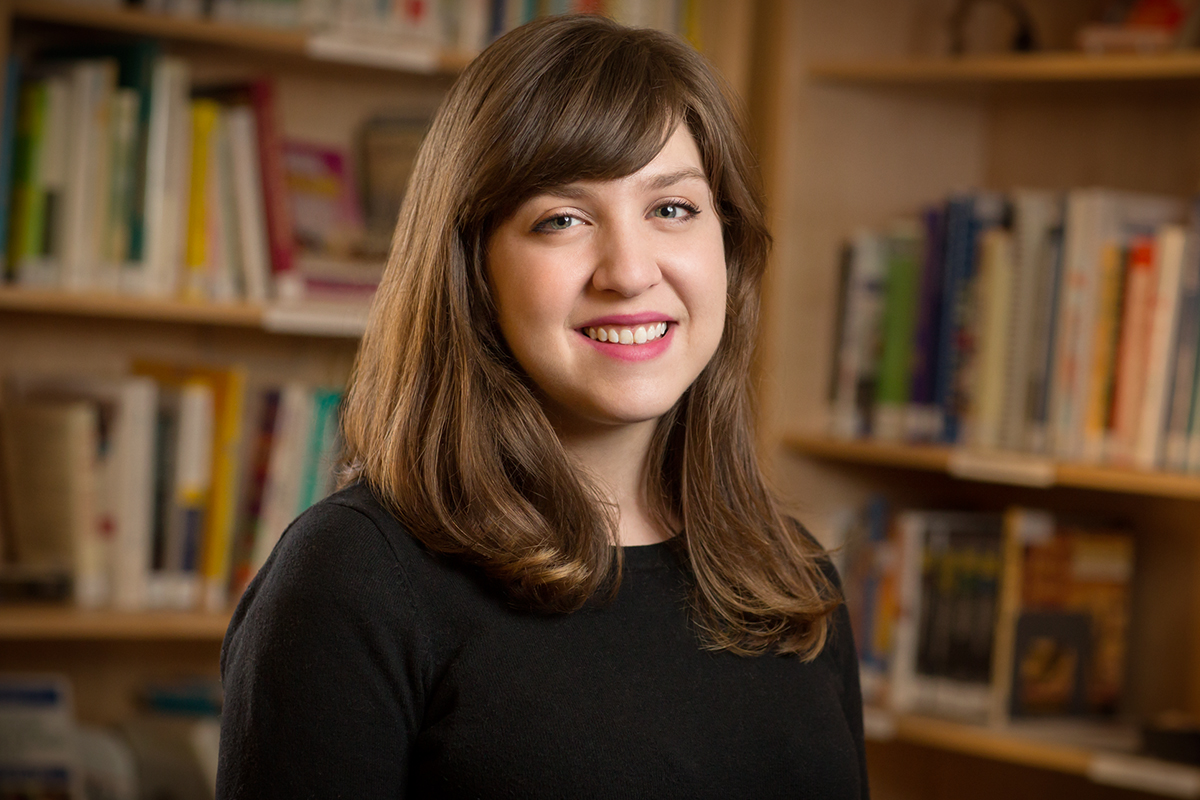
<point>611,294</point>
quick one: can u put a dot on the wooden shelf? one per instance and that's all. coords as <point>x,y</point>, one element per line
<point>260,39</point>
<point>48,301</point>
<point>337,319</point>
<point>1063,746</point>
<point>59,623</point>
<point>1037,68</point>
<point>997,467</point>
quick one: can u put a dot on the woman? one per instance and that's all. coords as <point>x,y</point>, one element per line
<point>556,570</point>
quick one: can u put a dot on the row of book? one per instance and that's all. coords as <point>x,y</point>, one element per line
<point>166,488</point>
<point>1064,325</point>
<point>464,25</point>
<point>988,617</point>
<point>121,176</point>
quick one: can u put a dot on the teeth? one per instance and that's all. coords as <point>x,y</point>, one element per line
<point>638,335</point>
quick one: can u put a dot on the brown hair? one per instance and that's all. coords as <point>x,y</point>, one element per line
<point>443,423</point>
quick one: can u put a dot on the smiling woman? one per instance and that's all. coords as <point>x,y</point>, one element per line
<point>555,569</point>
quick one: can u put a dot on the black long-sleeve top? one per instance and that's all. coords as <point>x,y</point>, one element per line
<point>360,665</point>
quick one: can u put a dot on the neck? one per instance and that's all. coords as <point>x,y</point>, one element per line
<point>615,458</point>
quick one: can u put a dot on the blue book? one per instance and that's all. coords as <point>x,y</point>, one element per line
<point>8,127</point>
<point>924,420</point>
<point>955,280</point>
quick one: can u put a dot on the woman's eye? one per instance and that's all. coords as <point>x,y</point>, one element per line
<point>674,211</point>
<point>559,223</point>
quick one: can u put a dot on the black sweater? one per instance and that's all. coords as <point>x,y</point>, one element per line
<point>359,665</point>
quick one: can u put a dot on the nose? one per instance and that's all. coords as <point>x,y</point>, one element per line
<point>627,262</point>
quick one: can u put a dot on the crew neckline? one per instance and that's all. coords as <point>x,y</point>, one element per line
<point>649,556</point>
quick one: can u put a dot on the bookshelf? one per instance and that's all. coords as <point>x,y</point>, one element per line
<point>1016,469</point>
<point>1040,68</point>
<point>861,120</point>
<point>323,94</point>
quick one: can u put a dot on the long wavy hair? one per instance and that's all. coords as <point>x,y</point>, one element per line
<point>445,426</point>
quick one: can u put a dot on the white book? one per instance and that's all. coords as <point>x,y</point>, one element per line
<point>995,306</point>
<point>1169,253</point>
<point>1185,347</point>
<point>86,202</point>
<point>125,470</point>
<point>281,496</point>
<point>857,353</point>
<point>221,251</point>
<point>168,160</point>
<point>254,256</point>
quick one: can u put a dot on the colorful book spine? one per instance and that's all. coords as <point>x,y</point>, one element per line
<point>1170,248</point>
<point>902,249</point>
<point>924,421</point>
<point>1104,353</point>
<point>205,114</point>
<point>994,311</point>
<point>1187,339</point>
<point>8,128</point>
<point>274,177</point>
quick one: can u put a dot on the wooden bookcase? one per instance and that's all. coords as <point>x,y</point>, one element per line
<point>109,656</point>
<point>860,120</point>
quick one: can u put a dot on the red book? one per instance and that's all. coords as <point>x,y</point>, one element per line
<point>280,237</point>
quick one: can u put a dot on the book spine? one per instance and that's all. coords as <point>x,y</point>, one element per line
<point>923,420</point>
<point>1106,334</point>
<point>956,273</point>
<point>134,543</point>
<point>1133,349</point>
<point>902,253</point>
<point>256,465</point>
<point>996,285</point>
<point>26,189</point>
<point>274,177</point>
<point>8,127</point>
<point>248,197</point>
<point>204,114</point>
<point>1185,347</point>
<point>1170,248</point>
<point>218,534</point>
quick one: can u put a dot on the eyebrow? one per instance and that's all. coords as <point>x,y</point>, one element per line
<point>573,191</point>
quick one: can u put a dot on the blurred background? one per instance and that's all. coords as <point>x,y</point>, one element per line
<point>977,369</point>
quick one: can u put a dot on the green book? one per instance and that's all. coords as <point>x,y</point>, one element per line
<point>28,204</point>
<point>902,258</point>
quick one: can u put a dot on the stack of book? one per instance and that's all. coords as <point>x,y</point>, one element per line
<point>989,617</point>
<point>1060,324</point>
<point>167,488</point>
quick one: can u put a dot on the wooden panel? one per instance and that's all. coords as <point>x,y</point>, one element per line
<point>901,771</point>
<point>36,622</point>
<point>1145,138</point>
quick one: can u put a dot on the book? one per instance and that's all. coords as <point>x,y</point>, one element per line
<point>124,468</point>
<point>869,576</point>
<point>280,233</point>
<point>1063,628</point>
<point>203,210</point>
<point>1133,349</point>
<point>860,342</point>
<point>1036,218</point>
<point>281,497</point>
<point>387,153</point>
<point>949,579</point>
<point>1113,263</point>
<point>325,214</point>
<point>924,420</point>
<point>50,479</point>
<point>167,189</point>
<point>93,84</point>
<point>319,477</point>
<point>227,387</point>
<point>995,310</point>
<point>1172,249</point>
<point>8,128</point>
<point>1186,349</point>
<point>261,415</point>
<point>902,250</point>
<point>253,254</point>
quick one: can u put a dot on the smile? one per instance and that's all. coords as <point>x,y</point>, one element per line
<point>637,335</point>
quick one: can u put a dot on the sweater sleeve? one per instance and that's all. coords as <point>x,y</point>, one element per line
<point>322,667</point>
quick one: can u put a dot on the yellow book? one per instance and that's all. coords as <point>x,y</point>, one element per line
<point>1104,353</point>
<point>205,114</point>
<point>229,394</point>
